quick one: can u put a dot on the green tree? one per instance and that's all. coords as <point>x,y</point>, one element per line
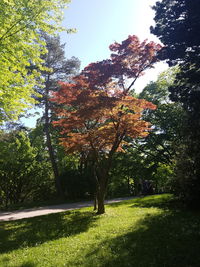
<point>23,176</point>
<point>153,158</point>
<point>20,45</point>
<point>57,68</point>
<point>160,148</point>
<point>128,170</point>
<point>177,24</point>
<point>167,119</point>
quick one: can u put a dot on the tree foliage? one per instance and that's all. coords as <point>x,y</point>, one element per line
<point>20,45</point>
<point>177,24</point>
<point>57,68</point>
<point>23,175</point>
<point>99,112</point>
<point>149,159</point>
<point>168,118</point>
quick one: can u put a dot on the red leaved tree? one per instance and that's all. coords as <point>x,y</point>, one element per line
<point>97,111</point>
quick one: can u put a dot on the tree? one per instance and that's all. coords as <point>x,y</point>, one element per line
<point>57,68</point>
<point>23,176</point>
<point>20,45</point>
<point>152,159</point>
<point>177,24</point>
<point>161,144</point>
<point>98,111</point>
<point>160,148</point>
<point>128,170</point>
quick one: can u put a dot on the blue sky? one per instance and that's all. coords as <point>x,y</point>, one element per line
<point>99,23</point>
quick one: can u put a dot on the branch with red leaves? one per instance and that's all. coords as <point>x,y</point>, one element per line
<point>97,109</point>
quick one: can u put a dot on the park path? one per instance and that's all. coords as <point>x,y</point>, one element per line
<point>28,213</point>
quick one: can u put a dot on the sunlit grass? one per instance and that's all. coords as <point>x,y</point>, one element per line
<point>148,231</point>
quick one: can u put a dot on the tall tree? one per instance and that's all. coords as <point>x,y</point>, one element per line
<point>57,68</point>
<point>177,26</point>
<point>20,45</point>
<point>99,111</point>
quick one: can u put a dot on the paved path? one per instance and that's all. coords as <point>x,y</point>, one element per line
<point>28,213</point>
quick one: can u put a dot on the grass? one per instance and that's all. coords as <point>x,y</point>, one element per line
<point>143,232</point>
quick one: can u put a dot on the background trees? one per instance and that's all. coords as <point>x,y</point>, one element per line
<point>160,148</point>
<point>177,24</point>
<point>56,68</point>
<point>151,160</point>
<point>24,176</point>
<point>163,140</point>
<point>98,112</point>
<point>32,61</point>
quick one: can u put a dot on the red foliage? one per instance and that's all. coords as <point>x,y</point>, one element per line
<point>97,111</point>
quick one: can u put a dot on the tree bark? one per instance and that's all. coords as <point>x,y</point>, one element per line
<point>50,147</point>
<point>100,199</point>
<point>101,175</point>
<point>128,185</point>
<point>95,201</point>
<point>101,190</point>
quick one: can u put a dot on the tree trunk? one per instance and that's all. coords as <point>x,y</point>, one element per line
<point>128,185</point>
<point>101,190</point>
<point>95,201</point>
<point>100,200</point>
<point>101,175</point>
<point>50,147</point>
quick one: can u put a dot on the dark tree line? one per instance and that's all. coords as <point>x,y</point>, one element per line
<point>177,26</point>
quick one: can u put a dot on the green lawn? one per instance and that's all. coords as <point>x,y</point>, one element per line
<point>150,231</point>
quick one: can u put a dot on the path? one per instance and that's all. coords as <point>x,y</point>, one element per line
<point>28,213</point>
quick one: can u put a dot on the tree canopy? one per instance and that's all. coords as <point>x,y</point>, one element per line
<point>20,46</point>
<point>177,26</point>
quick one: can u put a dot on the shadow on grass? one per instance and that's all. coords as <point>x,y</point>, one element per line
<point>28,264</point>
<point>5,263</point>
<point>168,239</point>
<point>35,231</point>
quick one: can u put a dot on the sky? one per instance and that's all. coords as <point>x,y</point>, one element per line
<point>100,23</point>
